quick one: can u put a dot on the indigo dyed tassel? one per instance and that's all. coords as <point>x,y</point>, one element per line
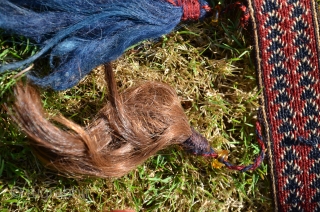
<point>79,35</point>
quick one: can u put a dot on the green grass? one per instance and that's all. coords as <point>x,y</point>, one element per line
<point>212,71</point>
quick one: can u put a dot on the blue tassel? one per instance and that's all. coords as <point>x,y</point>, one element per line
<point>82,34</point>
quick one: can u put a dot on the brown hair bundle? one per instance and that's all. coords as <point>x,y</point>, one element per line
<point>130,128</point>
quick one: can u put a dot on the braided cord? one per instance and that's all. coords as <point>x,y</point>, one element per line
<point>257,162</point>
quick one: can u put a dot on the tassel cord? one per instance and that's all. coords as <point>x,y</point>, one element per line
<point>242,168</point>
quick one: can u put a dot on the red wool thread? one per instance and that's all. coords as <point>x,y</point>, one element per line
<point>191,8</point>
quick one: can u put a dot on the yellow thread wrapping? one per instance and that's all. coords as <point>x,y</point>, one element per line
<point>216,15</point>
<point>222,155</point>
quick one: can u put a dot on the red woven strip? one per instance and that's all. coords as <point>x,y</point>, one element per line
<point>191,8</point>
<point>287,49</point>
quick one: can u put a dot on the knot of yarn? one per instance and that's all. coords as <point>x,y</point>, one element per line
<point>191,8</point>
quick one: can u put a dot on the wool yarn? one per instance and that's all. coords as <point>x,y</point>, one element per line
<point>78,35</point>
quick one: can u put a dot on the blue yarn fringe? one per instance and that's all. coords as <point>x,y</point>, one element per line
<point>82,34</point>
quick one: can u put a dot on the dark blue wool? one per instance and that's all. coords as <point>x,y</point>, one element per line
<point>83,34</point>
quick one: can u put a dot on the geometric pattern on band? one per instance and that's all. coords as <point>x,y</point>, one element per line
<point>287,53</point>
